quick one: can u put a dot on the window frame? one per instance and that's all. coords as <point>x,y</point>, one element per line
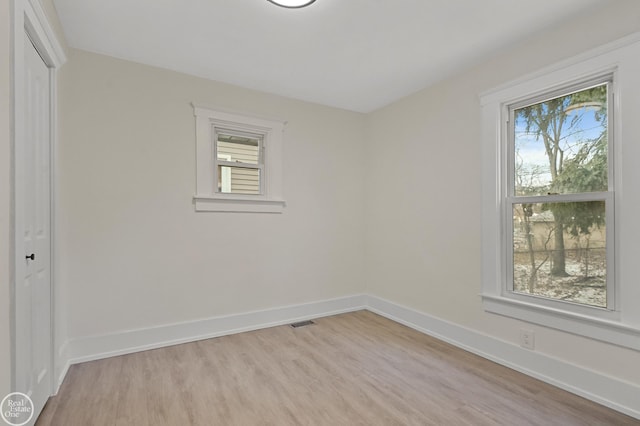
<point>238,164</point>
<point>510,199</point>
<point>619,323</point>
<point>210,122</point>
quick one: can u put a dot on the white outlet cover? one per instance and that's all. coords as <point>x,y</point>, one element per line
<point>527,339</point>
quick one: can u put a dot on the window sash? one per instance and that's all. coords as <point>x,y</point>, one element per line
<point>546,96</point>
<point>508,286</point>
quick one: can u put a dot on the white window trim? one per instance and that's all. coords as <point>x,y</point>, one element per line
<point>207,197</point>
<point>621,323</point>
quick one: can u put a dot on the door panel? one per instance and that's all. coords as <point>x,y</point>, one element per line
<point>33,221</point>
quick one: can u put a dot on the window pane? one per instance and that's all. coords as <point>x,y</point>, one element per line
<point>559,251</point>
<point>238,180</point>
<point>238,149</point>
<point>560,145</point>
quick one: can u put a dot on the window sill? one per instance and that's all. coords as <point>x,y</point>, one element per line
<point>207,203</point>
<point>605,330</point>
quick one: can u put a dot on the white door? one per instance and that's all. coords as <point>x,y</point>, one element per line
<point>33,236</point>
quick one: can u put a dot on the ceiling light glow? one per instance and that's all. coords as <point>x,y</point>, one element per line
<point>292,4</point>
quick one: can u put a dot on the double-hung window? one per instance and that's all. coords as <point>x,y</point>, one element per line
<point>557,230</point>
<point>238,162</point>
<point>560,196</point>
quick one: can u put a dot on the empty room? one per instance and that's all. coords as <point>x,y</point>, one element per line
<point>319,212</point>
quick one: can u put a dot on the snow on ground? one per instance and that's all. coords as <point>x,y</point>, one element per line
<point>576,287</point>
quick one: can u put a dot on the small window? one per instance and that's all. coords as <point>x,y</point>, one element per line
<point>239,162</point>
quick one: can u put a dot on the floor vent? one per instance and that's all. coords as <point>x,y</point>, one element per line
<point>302,323</point>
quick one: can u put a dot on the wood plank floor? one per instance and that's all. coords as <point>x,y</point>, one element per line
<point>351,369</point>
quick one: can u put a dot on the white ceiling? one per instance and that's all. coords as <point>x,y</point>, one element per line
<point>358,55</point>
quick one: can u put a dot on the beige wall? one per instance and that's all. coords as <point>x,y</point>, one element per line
<point>423,221</point>
<point>5,198</point>
<point>133,253</point>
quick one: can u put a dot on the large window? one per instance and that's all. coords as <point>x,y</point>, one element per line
<point>560,203</point>
<point>239,162</point>
<point>560,196</point>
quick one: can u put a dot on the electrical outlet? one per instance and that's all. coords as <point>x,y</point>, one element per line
<point>527,339</point>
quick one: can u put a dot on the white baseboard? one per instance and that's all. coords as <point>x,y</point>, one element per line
<point>62,363</point>
<point>608,391</point>
<point>611,392</point>
<point>121,343</point>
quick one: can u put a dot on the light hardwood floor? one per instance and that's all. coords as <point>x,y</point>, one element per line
<point>351,369</point>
